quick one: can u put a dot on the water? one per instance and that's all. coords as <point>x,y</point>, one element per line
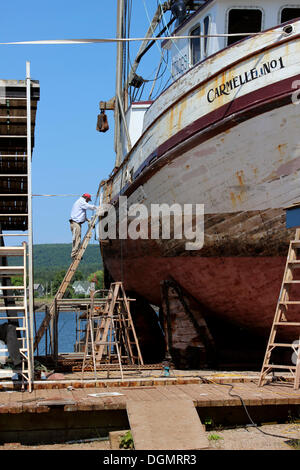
<point>66,332</point>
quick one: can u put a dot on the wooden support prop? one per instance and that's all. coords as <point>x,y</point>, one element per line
<point>189,342</point>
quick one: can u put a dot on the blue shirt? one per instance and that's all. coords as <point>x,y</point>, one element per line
<point>78,212</point>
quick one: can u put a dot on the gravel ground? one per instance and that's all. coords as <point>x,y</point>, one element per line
<point>95,445</point>
<point>250,438</point>
<point>246,438</point>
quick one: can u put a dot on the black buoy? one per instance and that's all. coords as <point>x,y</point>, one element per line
<point>178,9</point>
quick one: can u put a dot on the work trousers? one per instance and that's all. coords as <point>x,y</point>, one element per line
<point>76,237</point>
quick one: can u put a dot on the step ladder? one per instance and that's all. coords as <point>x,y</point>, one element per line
<point>281,319</point>
<point>114,335</point>
<point>13,313</point>
<point>66,281</point>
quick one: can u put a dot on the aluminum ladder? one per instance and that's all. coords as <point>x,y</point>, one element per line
<point>14,313</point>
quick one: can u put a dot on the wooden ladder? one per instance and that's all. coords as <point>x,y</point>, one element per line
<point>281,318</point>
<point>66,281</point>
<point>114,331</point>
<point>17,314</point>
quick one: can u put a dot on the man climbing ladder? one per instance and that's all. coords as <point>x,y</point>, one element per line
<point>75,262</point>
<point>78,217</point>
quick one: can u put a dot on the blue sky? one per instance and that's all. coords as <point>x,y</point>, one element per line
<point>70,156</point>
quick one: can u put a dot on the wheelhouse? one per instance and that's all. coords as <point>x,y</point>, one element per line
<point>222,23</point>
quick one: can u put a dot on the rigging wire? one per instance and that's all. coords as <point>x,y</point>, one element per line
<point>153,37</point>
<point>169,33</point>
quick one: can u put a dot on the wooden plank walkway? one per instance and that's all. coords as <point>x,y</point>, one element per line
<point>166,424</point>
<point>105,398</point>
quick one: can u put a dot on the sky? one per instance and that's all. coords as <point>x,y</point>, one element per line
<point>69,156</point>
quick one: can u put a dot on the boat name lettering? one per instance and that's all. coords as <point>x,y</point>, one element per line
<point>242,79</point>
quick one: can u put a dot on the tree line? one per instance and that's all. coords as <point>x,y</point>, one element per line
<point>51,262</point>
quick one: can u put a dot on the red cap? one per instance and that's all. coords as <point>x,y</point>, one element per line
<point>87,196</point>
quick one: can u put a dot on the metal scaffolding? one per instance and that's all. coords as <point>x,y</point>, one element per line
<point>18,106</point>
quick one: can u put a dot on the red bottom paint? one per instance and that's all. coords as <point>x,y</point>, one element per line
<point>240,290</point>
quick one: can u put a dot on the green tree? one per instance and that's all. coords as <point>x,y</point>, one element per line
<point>98,278</point>
<point>58,278</point>
<point>17,280</point>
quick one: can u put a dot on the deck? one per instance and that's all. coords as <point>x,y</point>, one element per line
<point>70,408</point>
<point>75,395</point>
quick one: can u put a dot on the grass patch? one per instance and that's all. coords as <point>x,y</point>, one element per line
<point>214,437</point>
<point>126,441</point>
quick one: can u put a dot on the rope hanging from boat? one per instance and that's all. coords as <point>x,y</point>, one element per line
<point>113,40</point>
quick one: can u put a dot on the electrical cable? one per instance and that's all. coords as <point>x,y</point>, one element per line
<point>206,380</point>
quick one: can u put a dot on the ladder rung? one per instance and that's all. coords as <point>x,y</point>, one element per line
<point>14,136</point>
<point>279,367</point>
<point>11,250</point>
<point>14,215</point>
<point>112,343</point>
<point>17,307</point>
<point>13,175</point>
<point>13,156</point>
<point>285,345</point>
<point>290,302</point>
<point>286,323</point>
<point>295,262</point>
<point>9,117</point>
<point>12,288</point>
<point>11,318</point>
<point>291,282</point>
<point>11,269</point>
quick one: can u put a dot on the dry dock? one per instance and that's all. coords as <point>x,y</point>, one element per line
<point>62,410</point>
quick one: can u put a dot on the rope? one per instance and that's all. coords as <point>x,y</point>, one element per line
<point>113,40</point>
<point>59,195</point>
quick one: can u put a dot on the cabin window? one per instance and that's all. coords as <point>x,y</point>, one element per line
<point>206,27</point>
<point>243,21</point>
<point>195,45</point>
<point>289,14</point>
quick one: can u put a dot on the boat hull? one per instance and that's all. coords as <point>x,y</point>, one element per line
<point>238,272</point>
<point>241,160</point>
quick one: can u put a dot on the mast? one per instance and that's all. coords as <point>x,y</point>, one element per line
<point>119,75</point>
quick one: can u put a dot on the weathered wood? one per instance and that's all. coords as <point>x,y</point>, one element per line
<point>165,425</point>
<point>202,395</point>
<point>189,341</point>
<point>114,330</point>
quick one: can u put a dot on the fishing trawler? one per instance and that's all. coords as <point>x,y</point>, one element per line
<point>223,134</point>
